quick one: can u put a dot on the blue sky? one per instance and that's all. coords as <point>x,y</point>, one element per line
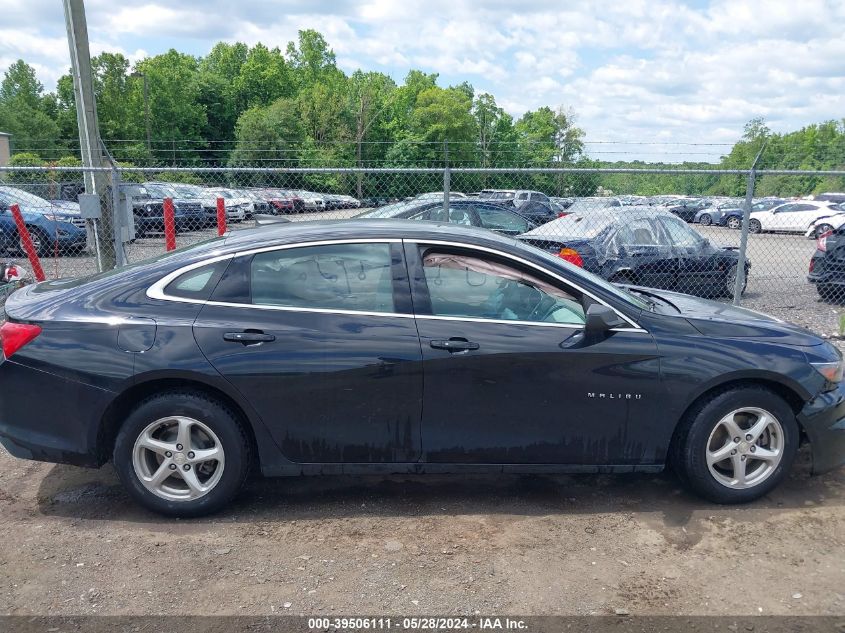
<point>648,76</point>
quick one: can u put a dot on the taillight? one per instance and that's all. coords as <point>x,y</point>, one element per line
<point>812,264</point>
<point>14,336</point>
<point>572,256</point>
<point>821,243</point>
<point>563,214</point>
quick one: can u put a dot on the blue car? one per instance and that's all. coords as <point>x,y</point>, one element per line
<point>51,227</point>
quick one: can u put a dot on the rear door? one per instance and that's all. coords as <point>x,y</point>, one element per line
<point>322,342</point>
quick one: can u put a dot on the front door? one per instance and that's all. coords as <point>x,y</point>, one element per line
<point>321,341</point>
<point>510,375</point>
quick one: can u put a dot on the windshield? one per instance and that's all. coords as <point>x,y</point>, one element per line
<point>13,195</point>
<point>574,226</point>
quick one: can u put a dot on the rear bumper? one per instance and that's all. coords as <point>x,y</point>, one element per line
<point>823,419</point>
<point>47,418</point>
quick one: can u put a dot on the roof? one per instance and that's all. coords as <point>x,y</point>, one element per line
<point>290,232</point>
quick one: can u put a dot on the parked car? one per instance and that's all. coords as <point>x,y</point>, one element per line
<point>792,217</point>
<point>687,208</point>
<point>827,265</point>
<point>517,196</point>
<point>148,208</point>
<point>282,201</point>
<point>467,212</point>
<point>717,212</point>
<point>827,223</point>
<point>311,201</point>
<point>51,228</point>
<point>433,196</point>
<point>641,246</point>
<point>835,197</point>
<point>733,218</point>
<point>402,347</point>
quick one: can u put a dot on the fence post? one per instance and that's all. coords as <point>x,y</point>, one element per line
<point>169,225</point>
<point>447,180</point>
<point>118,217</point>
<point>739,282</point>
<point>221,216</point>
<point>26,242</point>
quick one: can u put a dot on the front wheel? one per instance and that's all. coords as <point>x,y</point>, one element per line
<point>182,454</point>
<point>734,223</point>
<point>821,229</point>
<point>754,226</point>
<point>41,242</point>
<point>730,281</point>
<point>736,445</point>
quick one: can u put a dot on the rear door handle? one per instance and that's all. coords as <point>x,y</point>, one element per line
<point>454,345</point>
<point>248,338</point>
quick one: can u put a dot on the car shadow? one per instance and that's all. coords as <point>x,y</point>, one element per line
<point>97,495</point>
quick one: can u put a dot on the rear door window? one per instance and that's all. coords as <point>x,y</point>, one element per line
<point>353,277</point>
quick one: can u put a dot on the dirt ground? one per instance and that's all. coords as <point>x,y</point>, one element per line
<point>73,543</point>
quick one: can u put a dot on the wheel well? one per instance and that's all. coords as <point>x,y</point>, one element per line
<point>794,401</point>
<point>120,408</point>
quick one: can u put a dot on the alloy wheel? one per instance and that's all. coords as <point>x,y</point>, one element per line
<point>178,458</point>
<point>745,448</point>
<point>734,223</point>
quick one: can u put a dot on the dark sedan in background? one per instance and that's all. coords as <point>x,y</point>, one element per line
<point>402,347</point>
<point>641,246</point>
<point>464,211</point>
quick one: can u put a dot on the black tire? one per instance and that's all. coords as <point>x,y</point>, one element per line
<point>830,293</point>
<point>212,413</point>
<point>689,445</point>
<point>730,280</point>
<point>754,226</point>
<point>705,220</point>
<point>44,246</point>
<point>822,229</point>
<point>734,223</point>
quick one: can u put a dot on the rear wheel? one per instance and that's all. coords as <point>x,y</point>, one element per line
<point>182,454</point>
<point>734,222</point>
<point>706,220</point>
<point>754,226</point>
<point>736,445</point>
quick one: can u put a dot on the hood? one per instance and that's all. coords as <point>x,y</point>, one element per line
<point>723,320</point>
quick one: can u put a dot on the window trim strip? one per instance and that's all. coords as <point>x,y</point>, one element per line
<point>156,291</point>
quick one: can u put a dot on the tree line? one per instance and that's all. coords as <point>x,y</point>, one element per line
<point>247,106</point>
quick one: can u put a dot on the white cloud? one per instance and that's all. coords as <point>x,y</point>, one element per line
<point>633,70</point>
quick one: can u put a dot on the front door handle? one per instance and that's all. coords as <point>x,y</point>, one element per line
<point>454,345</point>
<point>249,337</point>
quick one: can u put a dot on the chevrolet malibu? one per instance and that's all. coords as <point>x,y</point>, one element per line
<point>402,347</point>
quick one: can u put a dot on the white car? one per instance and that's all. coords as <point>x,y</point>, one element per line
<point>827,223</point>
<point>792,217</point>
<point>313,201</point>
<point>238,206</point>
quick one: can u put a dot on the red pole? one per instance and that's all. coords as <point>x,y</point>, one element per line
<point>169,225</point>
<point>28,246</point>
<point>221,216</point>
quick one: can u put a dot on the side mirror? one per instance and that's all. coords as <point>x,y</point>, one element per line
<point>601,318</point>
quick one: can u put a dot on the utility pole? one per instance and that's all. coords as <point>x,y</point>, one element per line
<point>139,75</point>
<point>89,132</point>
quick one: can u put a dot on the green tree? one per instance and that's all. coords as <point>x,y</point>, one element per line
<point>25,113</point>
<point>269,136</point>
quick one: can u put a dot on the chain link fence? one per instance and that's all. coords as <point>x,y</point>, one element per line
<point>651,227</point>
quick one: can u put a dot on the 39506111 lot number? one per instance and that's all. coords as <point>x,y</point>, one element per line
<point>409,624</point>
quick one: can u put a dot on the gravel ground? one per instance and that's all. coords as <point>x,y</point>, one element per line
<point>75,545</point>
